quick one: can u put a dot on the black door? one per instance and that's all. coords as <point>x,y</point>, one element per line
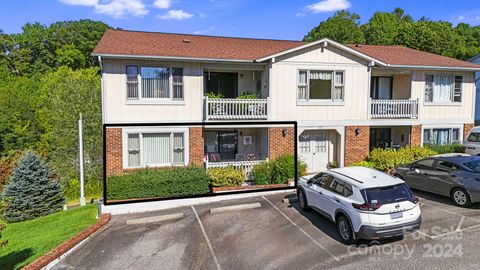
<point>224,83</point>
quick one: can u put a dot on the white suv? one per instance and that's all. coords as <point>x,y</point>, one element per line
<point>364,203</point>
<point>472,144</point>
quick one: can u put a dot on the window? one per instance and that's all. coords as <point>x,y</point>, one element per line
<point>323,180</point>
<point>474,137</point>
<point>443,88</point>
<point>341,188</point>
<point>445,166</point>
<point>387,195</point>
<point>424,164</point>
<point>441,136</point>
<point>155,149</point>
<point>154,83</point>
<point>320,85</point>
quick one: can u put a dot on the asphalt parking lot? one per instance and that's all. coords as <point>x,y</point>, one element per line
<point>276,235</point>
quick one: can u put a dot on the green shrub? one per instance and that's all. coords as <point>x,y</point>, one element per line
<point>387,159</point>
<point>71,188</point>
<point>211,94</point>
<point>148,183</point>
<point>277,171</point>
<point>445,149</point>
<point>226,177</point>
<point>247,95</point>
<point>31,191</point>
<point>261,173</point>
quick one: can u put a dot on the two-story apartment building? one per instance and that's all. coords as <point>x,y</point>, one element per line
<point>346,99</point>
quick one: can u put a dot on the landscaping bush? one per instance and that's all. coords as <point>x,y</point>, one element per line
<point>387,159</point>
<point>148,183</point>
<point>31,192</point>
<point>445,149</point>
<point>247,95</point>
<point>71,188</point>
<point>226,177</point>
<point>277,171</point>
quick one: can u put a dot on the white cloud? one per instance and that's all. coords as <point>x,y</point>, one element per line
<point>300,14</point>
<point>114,8</point>
<point>328,5</point>
<point>162,3</point>
<point>175,15</point>
<point>461,18</point>
<point>204,31</point>
<point>477,18</point>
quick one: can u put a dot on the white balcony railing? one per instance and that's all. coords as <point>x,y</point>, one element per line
<point>233,108</point>
<point>245,165</point>
<point>393,108</point>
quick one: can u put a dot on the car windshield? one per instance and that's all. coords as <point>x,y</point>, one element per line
<point>473,165</point>
<point>386,195</point>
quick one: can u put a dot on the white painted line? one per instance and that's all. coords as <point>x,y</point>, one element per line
<point>303,231</point>
<point>235,207</point>
<point>451,212</point>
<point>206,238</point>
<point>459,226</point>
<point>471,227</point>
<point>422,233</point>
<point>155,219</point>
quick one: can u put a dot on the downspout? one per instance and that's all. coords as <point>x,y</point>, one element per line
<point>102,87</point>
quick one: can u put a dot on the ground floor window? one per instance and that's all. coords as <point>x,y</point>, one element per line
<point>441,136</point>
<point>155,149</point>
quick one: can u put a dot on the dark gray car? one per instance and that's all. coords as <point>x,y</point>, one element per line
<point>453,175</point>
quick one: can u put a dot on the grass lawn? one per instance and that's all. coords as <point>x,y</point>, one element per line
<point>30,239</point>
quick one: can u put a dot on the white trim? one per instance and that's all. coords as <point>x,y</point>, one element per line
<point>170,58</point>
<point>140,130</point>
<point>434,67</point>
<point>325,42</point>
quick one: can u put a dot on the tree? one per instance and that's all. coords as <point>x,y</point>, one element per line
<point>383,27</point>
<point>31,191</point>
<point>343,27</point>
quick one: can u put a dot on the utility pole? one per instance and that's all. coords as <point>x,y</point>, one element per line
<point>80,149</point>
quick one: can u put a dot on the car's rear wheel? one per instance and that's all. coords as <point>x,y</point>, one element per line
<point>345,230</point>
<point>302,199</point>
<point>460,197</point>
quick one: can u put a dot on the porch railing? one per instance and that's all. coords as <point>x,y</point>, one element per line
<point>233,108</point>
<point>245,165</point>
<point>393,108</point>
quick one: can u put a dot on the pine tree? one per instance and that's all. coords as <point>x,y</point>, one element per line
<point>31,191</point>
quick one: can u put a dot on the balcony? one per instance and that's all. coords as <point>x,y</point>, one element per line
<point>394,108</point>
<point>235,109</point>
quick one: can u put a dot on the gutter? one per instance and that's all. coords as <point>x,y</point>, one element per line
<point>435,67</point>
<point>173,58</point>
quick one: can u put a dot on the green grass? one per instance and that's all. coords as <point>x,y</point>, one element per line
<point>30,239</point>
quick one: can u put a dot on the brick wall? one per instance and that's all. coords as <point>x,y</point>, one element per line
<point>196,151</point>
<point>466,129</point>
<point>356,146</point>
<point>279,144</point>
<point>416,135</point>
<point>114,151</point>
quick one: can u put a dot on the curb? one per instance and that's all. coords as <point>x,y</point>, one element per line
<point>66,246</point>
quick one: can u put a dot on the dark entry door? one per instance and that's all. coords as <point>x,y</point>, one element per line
<point>380,138</point>
<point>227,145</point>
<point>224,83</point>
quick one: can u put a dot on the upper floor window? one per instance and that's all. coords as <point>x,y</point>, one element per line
<point>320,85</point>
<point>154,83</point>
<point>443,88</point>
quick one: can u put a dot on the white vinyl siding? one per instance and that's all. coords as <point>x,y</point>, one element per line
<point>443,88</point>
<point>159,83</point>
<point>320,85</point>
<point>153,149</point>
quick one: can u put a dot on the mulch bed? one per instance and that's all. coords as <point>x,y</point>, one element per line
<point>58,251</point>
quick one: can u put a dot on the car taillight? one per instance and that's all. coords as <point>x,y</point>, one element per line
<point>366,206</point>
<point>414,199</point>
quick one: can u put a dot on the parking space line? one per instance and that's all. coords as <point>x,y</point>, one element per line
<point>301,230</point>
<point>451,212</point>
<point>459,226</point>
<point>206,238</point>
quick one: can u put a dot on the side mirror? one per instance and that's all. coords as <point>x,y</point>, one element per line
<point>309,181</point>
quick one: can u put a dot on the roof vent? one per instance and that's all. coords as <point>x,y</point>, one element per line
<point>358,45</point>
<point>186,40</point>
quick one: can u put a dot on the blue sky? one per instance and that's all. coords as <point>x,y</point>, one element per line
<point>246,18</point>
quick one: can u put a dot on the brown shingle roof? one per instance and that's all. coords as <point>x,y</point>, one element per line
<point>121,42</point>
<point>173,45</point>
<point>399,55</point>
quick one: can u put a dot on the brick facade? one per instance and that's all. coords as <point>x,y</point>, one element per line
<point>416,135</point>
<point>357,146</point>
<point>114,151</point>
<point>466,129</point>
<point>280,142</point>
<point>195,142</point>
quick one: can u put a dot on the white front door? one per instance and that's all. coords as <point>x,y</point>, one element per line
<point>313,149</point>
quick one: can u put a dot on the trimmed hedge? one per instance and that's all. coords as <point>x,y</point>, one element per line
<point>387,159</point>
<point>445,149</point>
<point>277,171</point>
<point>226,177</point>
<point>148,183</point>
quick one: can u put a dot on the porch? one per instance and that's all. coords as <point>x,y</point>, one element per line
<point>390,95</point>
<point>235,94</point>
